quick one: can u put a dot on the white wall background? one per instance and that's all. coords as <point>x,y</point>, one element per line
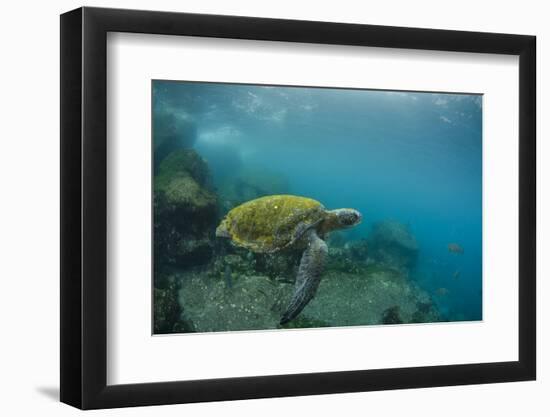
<point>29,237</point>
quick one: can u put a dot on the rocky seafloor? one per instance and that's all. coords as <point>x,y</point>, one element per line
<point>202,284</point>
<point>238,290</point>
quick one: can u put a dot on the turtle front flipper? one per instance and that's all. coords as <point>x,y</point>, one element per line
<point>309,275</point>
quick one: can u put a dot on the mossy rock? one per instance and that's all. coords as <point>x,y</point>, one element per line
<point>183,183</point>
<point>184,191</point>
<point>185,211</point>
<point>181,163</point>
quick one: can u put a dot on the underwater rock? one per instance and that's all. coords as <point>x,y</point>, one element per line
<point>255,302</point>
<point>281,266</point>
<point>167,311</point>
<point>250,304</point>
<point>426,312</point>
<point>303,322</point>
<point>185,211</point>
<point>228,277</point>
<point>239,263</point>
<point>350,257</point>
<point>171,132</point>
<point>358,249</point>
<point>364,298</point>
<point>340,260</point>
<point>185,192</point>
<point>185,162</point>
<point>392,244</point>
<point>163,279</point>
<point>391,316</point>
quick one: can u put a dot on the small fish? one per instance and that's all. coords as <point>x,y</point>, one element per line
<point>455,248</point>
<point>227,277</point>
<point>442,292</point>
<point>456,275</point>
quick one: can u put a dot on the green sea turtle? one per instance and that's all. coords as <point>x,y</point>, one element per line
<point>269,224</point>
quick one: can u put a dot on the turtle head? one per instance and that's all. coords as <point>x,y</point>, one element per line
<point>344,218</point>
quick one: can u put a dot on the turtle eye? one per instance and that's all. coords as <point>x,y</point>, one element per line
<point>350,219</point>
<point>353,218</point>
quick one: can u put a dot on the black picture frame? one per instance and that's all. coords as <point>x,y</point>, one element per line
<point>84,207</point>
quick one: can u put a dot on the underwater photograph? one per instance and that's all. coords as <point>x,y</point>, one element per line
<point>284,207</point>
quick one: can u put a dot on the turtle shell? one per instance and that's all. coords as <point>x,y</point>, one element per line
<point>271,223</point>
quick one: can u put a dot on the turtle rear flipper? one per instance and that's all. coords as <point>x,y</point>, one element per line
<point>309,275</point>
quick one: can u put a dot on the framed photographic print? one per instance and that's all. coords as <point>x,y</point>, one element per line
<point>334,207</point>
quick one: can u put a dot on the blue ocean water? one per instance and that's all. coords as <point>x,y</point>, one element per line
<point>412,157</point>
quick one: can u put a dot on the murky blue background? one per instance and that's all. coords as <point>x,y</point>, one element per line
<point>412,157</point>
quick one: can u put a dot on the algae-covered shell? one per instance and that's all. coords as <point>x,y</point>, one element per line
<point>271,223</point>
